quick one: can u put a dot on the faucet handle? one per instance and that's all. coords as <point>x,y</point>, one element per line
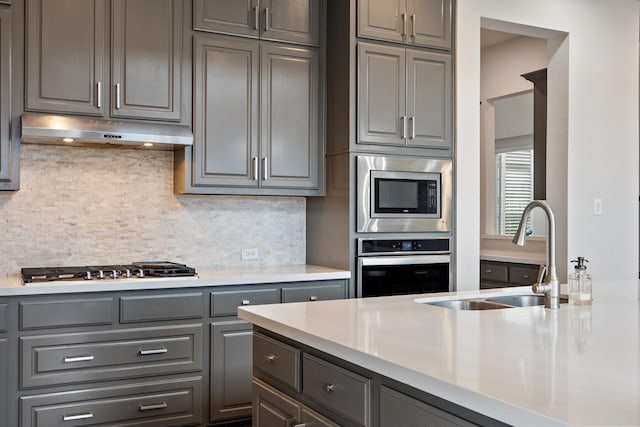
<point>541,272</point>
<point>540,287</point>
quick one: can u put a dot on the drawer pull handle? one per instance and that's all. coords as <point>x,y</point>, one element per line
<point>153,351</point>
<point>162,405</point>
<point>328,387</point>
<point>526,276</point>
<point>271,357</point>
<point>78,359</point>
<point>313,298</point>
<point>488,271</point>
<point>77,417</point>
<point>245,302</point>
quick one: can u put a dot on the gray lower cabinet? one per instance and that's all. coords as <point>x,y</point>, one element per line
<point>404,97</point>
<point>295,21</point>
<point>415,22</point>
<point>9,156</point>
<point>3,381</point>
<point>256,119</point>
<point>495,274</point>
<point>400,410</point>
<point>68,59</point>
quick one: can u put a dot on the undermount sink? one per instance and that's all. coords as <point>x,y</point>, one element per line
<point>491,303</point>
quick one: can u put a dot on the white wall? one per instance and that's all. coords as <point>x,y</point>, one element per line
<point>598,104</point>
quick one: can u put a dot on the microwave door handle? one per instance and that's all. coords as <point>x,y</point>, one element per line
<point>404,260</point>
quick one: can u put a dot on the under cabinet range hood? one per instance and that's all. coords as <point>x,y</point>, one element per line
<point>85,131</point>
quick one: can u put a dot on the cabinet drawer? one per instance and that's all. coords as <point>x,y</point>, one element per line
<point>314,291</point>
<point>278,360</point>
<point>161,403</point>
<point>494,272</point>
<point>522,275</point>
<point>337,389</point>
<point>66,313</point>
<point>3,317</point>
<point>93,356</point>
<point>226,303</point>
<point>160,307</point>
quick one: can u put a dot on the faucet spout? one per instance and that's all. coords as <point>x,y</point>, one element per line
<point>551,286</point>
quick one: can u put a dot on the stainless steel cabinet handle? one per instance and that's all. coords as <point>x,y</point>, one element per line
<point>271,357</point>
<point>265,175</point>
<point>153,407</point>
<point>488,271</point>
<point>404,24</point>
<point>99,94</point>
<point>525,276</point>
<point>328,387</point>
<point>266,19</point>
<point>254,172</point>
<point>77,417</point>
<point>256,17</point>
<point>153,351</point>
<point>413,26</point>
<point>78,359</point>
<point>245,302</point>
<point>413,127</point>
<point>403,133</point>
<point>313,298</point>
<point>118,100</point>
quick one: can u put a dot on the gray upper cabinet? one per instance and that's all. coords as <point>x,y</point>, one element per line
<point>9,161</point>
<point>256,115</point>
<point>404,97</point>
<point>416,22</point>
<point>294,21</point>
<point>69,60</point>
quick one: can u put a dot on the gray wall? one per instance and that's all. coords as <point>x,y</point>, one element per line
<point>82,205</point>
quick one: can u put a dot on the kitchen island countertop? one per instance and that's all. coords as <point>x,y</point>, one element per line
<point>522,366</point>
<point>206,277</point>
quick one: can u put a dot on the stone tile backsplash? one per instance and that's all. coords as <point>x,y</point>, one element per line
<point>82,205</point>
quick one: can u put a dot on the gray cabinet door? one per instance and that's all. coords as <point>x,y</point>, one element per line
<point>272,408</point>
<point>382,19</point>
<point>3,382</point>
<point>381,94</point>
<point>147,59</point>
<point>289,117</point>
<point>65,56</point>
<point>296,21</point>
<point>429,22</point>
<point>429,94</point>
<point>225,112</point>
<point>240,17</point>
<point>8,159</point>
<point>231,368</point>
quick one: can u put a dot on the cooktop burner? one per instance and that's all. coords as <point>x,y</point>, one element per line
<point>149,269</point>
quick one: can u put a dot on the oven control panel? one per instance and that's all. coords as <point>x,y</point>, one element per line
<point>394,246</point>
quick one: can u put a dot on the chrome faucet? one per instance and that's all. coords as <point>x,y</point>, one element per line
<point>551,286</point>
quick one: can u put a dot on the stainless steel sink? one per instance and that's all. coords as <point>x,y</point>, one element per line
<point>518,300</point>
<point>469,304</point>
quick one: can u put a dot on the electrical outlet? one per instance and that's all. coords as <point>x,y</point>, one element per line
<point>597,206</point>
<point>249,254</point>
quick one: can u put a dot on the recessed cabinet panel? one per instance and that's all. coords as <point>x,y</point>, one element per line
<point>429,99</point>
<point>429,22</point>
<point>4,357</point>
<point>147,59</point>
<point>381,94</point>
<point>289,117</point>
<point>271,408</point>
<point>65,56</point>
<point>295,21</point>
<point>226,112</point>
<point>239,17</point>
<point>9,161</point>
<point>382,19</point>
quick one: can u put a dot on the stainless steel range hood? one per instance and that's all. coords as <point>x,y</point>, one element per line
<point>70,130</point>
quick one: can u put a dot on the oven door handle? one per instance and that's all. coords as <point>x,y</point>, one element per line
<point>403,260</point>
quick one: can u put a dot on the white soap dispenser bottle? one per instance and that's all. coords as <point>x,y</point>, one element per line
<point>580,284</point>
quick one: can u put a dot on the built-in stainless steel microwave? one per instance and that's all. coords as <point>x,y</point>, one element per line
<point>396,194</point>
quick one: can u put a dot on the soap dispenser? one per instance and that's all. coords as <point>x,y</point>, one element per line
<point>580,284</point>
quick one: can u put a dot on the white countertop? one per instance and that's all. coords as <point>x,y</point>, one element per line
<point>213,277</point>
<point>510,257</point>
<point>523,366</point>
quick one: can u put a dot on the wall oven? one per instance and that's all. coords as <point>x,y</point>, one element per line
<point>403,194</point>
<point>402,266</point>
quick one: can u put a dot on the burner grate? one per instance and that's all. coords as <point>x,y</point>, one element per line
<point>118,271</point>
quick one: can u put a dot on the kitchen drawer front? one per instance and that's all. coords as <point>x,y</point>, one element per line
<point>335,388</point>
<point>226,303</point>
<point>277,360</point>
<point>4,321</point>
<point>494,272</point>
<point>161,307</point>
<point>522,275</point>
<point>314,291</point>
<point>66,313</point>
<point>161,403</point>
<point>81,357</point>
